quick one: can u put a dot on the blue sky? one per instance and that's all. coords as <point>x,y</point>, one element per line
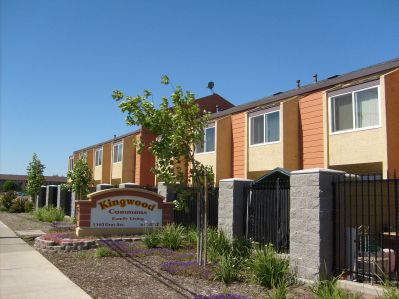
<point>61,60</point>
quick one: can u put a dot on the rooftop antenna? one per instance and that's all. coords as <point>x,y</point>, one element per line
<point>210,86</point>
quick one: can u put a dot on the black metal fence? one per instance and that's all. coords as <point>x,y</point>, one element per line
<point>190,217</point>
<point>268,213</point>
<point>366,228</point>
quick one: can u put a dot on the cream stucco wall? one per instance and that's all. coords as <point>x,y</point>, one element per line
<point>360,147</point>
<point>116,171</point>
<point>207,159</point>
<point>97,173</point>
<point>265,157</point>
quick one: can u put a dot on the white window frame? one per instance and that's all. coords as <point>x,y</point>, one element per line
<point>70,164</point>
<point>117,145</point>
<point>96,162</point>
<point>264,131</point>
<point>354,110</point>
<point>214,141</point>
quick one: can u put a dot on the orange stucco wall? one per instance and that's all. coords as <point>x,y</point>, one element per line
<point>129,156</point>
<point>238,151</point>
<point>106,165</point>
<point>90,158</point>
<point>311,131</point>
<point>392,113</point>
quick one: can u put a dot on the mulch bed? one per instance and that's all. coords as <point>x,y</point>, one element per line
<point>133,277</point>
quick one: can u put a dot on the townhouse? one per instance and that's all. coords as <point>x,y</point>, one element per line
<point>116,161</point>
<point>345,122</point>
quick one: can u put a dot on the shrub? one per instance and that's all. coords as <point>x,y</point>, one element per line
<point>218,244</point>
<point>16,208</point>
<point>7,200</point>
<point>269,269</point>
<point>102,252</point>
<point>29,206</point>
<point>152,239</point>
<point>49,214</point>
<point>191,235</point>
<point>229,268</point>
<point>171,236</point>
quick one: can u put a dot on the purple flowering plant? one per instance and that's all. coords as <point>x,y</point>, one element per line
<point>227,296</point>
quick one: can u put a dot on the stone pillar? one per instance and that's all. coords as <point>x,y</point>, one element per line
<point>166,192</point>
<point>100,187</point>
<point>74,197</point>
<point>311,223</point>
<point>232,206</point>
<point>129,185</point>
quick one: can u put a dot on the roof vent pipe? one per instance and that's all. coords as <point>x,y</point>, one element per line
<point>217,108</point>
<point>298,83</point>
<point>315,78</point>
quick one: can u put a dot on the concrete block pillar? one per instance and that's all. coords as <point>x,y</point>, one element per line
<point>311,223</point>
<point>232,206</point>
<point>100,187</point>
<point>129,185</point>
<point>74,198</point>
<point>166,192</point>
<point>64,199</point>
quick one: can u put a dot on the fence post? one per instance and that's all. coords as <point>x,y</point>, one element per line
<point>166,192</point>
<point>232,206</point>
<point>311,222</point>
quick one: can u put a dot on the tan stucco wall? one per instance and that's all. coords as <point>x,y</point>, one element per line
<point>97,173</point>
<point>207,159</point>
<point>357,147</point>
<point>128,160</point>
<point>290,133</point>
<point>116,170</point>
<point>106,167</point>
<point>223,149</point>
<point>265,157</point>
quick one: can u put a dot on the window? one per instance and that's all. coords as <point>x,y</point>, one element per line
<point>209,141</point>
<point>83,156</point>
<point>355,110</point>
<point>70,164</point>
<point>99,157</point>
<point>117,152</point>
<point>265,126</point>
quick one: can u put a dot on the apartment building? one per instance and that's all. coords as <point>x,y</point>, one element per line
<point>345,122</point>
<point>116,161</point>
<point>22,180</point>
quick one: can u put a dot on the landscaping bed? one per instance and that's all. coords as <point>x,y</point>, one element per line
<point>132,271</point>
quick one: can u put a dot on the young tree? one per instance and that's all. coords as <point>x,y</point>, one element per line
<point>80,178</point>
<point>179,129</point>
<point>10,186</point>
<point>35,177</point>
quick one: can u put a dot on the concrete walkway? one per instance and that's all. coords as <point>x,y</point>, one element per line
<point>25,273</point>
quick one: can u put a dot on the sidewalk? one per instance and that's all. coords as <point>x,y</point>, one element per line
<point>25,273</point>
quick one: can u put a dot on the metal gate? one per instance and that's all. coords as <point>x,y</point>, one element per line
<point>268,213</point>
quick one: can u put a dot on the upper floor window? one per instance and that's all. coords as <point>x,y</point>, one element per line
<point>99,157</point>
<point>265,126</point>
<point>83,156</point>
<point>355,110</point>
<point>209,141</point>
<point>117,152</point>
<point>70,164</point>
